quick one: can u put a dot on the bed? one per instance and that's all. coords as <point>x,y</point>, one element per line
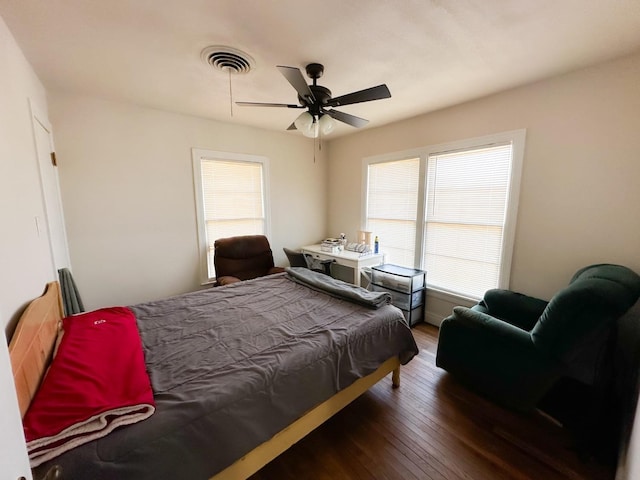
<point>239,373</point>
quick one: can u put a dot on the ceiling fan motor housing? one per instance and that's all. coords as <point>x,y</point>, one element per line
<point>322,96</point>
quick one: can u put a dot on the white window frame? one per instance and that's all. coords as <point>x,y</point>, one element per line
<point>394,157</point>
<point>517,140</point>
<point>199,154</point>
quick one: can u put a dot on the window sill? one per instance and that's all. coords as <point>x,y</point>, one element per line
<point>451,297</point>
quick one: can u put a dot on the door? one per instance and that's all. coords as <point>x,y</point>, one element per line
<point>50,192</point>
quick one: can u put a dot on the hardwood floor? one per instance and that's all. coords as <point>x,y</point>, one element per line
<point>432,428</point>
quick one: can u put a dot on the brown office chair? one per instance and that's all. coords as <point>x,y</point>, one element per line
<point>243,258</point>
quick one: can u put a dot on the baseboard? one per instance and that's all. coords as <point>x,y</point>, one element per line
<point>433,319</point>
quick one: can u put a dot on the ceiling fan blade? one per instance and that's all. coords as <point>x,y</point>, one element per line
<point>367,95</point>
<point>297,81</point>
<point>255,104</point>
<point>292,126</point>
<point>347,118</point>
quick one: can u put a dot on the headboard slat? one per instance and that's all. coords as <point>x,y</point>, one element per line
<point>31,346</point>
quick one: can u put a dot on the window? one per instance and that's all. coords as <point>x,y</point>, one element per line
<point>392,203</point>
<point>449,209</point>
<point>231,199</point>
<point>465,215</point>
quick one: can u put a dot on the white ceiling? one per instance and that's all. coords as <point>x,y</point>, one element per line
<point>430,53</point>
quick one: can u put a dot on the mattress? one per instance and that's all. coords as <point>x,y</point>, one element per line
<point>232,366</point>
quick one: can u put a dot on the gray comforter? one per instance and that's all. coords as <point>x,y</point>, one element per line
<point>338,288</point>
<point>230,367</point>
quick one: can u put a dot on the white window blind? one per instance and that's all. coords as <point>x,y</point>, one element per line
<point>449,209</point>
<point>392,202</point>
<point>231,199</point>
<point>467,194</point>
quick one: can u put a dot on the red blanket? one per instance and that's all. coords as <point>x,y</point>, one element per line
<point>96,383</point>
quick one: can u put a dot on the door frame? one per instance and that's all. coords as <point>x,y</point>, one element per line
<point>39,120</point>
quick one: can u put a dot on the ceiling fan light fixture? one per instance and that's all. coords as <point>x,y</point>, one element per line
<point>327,124</point>
<point>307,124</point>
<point>312,131</point>
<point>311,126</point>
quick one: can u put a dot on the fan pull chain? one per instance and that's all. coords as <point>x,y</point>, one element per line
<point>230,93</point>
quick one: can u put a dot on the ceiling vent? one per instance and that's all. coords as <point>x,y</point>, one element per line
<point>228,59</point>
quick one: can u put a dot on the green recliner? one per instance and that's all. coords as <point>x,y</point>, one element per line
<point>513,348</point>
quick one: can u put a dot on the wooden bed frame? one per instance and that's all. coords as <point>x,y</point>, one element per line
<point>31,349</point>
<point>32,344</point>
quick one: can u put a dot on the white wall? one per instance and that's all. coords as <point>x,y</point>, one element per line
<point>13,452</point>
<point>127,189</point>
<point>24,255</point>
<point>579,196</point>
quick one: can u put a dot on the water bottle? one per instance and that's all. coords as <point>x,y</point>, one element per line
<point>375,245</point>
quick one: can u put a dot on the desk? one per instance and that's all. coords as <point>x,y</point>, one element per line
<point>346,258</point>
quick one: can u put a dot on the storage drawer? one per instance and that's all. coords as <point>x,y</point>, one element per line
<point>414,316</point>
<point>402,300</point>
<point>397,282</point>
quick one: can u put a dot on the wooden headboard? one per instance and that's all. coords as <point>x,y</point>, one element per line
<point>32,344</point>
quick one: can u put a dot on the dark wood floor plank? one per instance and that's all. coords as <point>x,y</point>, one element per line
<point>331,441</point>
<point>378,439</point>
<point>432,428</point>
<point>393,428</point>
<point>442,447</point>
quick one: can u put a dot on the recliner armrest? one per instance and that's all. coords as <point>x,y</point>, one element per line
<point>494,326</point>
<point>496,358</point>
<point>515,308</point>
<point>227,280</point>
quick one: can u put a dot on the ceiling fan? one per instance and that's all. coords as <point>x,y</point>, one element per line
<point>318,102</point>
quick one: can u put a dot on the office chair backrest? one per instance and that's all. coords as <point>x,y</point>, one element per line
<point>296,259</point>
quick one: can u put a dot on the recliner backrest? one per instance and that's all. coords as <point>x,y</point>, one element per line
<point>623,276</point>
<point>244,257</point>
<point>596,296</point>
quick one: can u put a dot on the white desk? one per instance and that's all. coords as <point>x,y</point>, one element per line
<point>346,258</point>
